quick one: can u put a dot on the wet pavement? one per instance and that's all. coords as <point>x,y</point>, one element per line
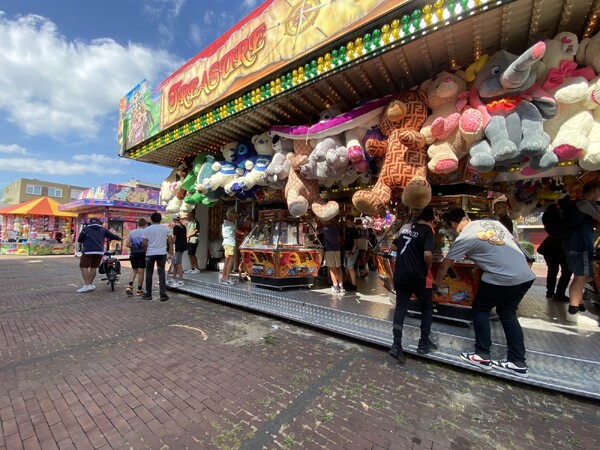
<point>103,370</point>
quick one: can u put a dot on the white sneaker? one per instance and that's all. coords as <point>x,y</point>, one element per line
<point>195,271</point>
<point>84,288</point>
<point>92,287</point>
<point>572,318</point>
<point>171,283</point>
<point>189,271</point>
<point>180,283</point>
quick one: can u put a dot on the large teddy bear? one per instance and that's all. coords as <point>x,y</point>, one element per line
<point>224,171</point>
<point>405,159</point>
<point>203,172</point>
<point>275,175</point>
<point>169,187</point>
<point>327,161</point>
<point>447,97</point>
<point>176,202</point>
<point>514,129</point>
<point>243,158</point>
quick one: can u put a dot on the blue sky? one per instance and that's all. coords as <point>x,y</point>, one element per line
<point>64,66</point>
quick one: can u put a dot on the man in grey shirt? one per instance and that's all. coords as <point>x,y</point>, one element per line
<point>505,280</point>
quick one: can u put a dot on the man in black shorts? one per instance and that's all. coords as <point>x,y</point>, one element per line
<point>137,257</point>
<point>181,245</point>
<point>92,239</point>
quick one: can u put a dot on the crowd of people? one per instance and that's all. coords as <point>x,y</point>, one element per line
<point>489,244</point>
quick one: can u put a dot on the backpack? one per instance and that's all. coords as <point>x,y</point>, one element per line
<point>557,218</point>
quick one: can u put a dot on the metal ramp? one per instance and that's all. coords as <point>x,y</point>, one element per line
<point>560,357</point>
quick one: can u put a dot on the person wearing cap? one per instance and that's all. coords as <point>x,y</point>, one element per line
<point>181,246</point>
<point>92,239</point>
<point>137,257</point>
<point>500,207</point>
<point>506,277</point>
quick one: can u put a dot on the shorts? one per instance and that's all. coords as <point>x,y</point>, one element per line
<point>192,248</point>
<point>229,250</point>
<point>350,259</point>
<point>333,258</point>
<point>90,261</point>
<point>178,257</point>
<point>137,260</point>
<point>581,263</point>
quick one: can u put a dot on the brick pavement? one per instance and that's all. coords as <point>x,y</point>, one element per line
<point>100,370</point>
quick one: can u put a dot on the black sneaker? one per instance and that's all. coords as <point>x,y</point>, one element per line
<point>560,298</point>
<point>475,360</point>
<point>146,297</point>
<point>509,367</point>
<point>164,298</point>
<point>350,287</point>
<point>425,347</point>
<point>397,353</point>
<point>581,307</point>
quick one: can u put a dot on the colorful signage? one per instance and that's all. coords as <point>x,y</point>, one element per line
<point>272,36</point>
<point>139,116</point>
<point>116,192</point>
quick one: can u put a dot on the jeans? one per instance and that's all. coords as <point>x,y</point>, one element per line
<point>403,294</point>
<point>162,282</point>
<point>554,261</point>
<point>506,299</point>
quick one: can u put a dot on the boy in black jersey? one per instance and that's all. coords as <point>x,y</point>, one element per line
<point>412,274</point>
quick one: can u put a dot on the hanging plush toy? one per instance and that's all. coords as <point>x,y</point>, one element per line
<point>275,175</point>
<point>405,159</point>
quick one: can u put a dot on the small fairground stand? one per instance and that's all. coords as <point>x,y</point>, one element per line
<point>282,251</point>
<point>118,207</point>
<point>36,227</point>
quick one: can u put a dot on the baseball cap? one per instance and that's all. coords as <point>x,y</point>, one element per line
<point>501,199</point>
<point>176,216</point>
<point>94,220</point>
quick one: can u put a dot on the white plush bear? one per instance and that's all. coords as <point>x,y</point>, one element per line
<point>264,149</point>
<point>168,188</point>
<point>225,171</point>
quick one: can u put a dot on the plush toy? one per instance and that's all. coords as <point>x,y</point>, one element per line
<point>203,172</point>
<point>243,157</point>
<point>348,127</point>
<point>176,202</point>
<point>264,154</point>
<point>404,166</point>
<point>327,161</point>
<point>275,175</point>
<point>302,194</point>
<point>588,52</point>
<point>224,171</point>
<point>169,187</point>
<point>562,48</point>
<point>447,97</point>
<point>590,160</point>
<point>515,126</point>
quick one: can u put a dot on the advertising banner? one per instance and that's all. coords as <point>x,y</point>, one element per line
<point>272,36</point>
<point>139,116</point>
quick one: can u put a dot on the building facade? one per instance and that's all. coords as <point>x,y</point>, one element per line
<point>25,189</point>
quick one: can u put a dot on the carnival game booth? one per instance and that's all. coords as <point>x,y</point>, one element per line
<point>36,227</point>
<point>388,101</point>
<point>118,207</point>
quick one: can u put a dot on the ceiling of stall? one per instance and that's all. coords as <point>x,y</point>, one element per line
<point>513,27</point>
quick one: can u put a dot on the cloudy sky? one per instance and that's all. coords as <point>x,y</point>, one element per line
<point>64,66</point>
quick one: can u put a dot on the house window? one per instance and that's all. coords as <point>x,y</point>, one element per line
<point>54,192</point>
<point>33,189</point>
<point>75,193</point>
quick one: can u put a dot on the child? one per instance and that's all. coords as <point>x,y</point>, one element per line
<point>228,232</point>
<point>240,234</point>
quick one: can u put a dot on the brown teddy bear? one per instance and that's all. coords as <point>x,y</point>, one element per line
<point>405,159</point>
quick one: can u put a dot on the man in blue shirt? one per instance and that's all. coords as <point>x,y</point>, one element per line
<point>137,257</point>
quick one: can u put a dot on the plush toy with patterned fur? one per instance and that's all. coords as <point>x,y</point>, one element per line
<point>405,159</point>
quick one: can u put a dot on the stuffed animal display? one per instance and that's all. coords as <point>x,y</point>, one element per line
<point>526,113</point>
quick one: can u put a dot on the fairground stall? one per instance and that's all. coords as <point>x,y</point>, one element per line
<point>383,108</point>
<point>36,227</point>
<point>118,207</point>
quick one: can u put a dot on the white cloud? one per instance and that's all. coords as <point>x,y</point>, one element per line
<point>196,35</point>
<point>162,8</point>
<point>250,4</point>
<point>80,165</point>
<point>13,148</point>
<point>209,16</point>
<point>51,85</point>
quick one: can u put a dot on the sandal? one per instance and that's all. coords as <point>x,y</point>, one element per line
<point>129,290</point>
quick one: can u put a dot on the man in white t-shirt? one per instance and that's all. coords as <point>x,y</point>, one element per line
<point>157,241</point>
<point>505,280</point>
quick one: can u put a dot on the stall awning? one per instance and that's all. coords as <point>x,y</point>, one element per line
<point>42,206</point>
<point>86,204</point>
